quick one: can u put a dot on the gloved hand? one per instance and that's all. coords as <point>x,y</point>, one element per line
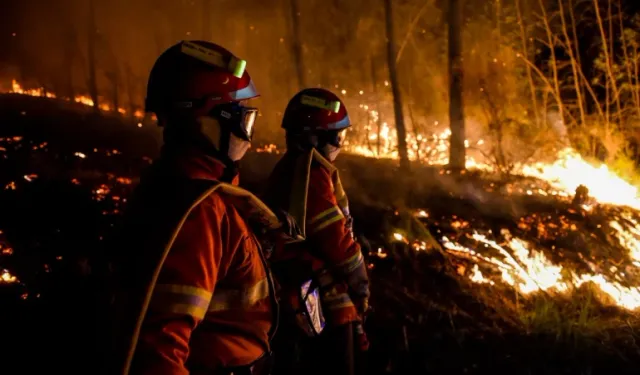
<point>362,342</point>
<point>289,229</point>
<point>349,225</point>
<point>361,304</point>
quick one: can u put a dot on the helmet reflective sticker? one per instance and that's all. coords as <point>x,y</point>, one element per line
<point>239,67</point>
<point>215,58</point>
<point>335,106</point>
<point>312,101</point>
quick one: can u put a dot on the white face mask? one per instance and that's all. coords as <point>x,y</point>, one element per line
<point>331,152</point>
<point>211,129</point>
<point>237,147</point>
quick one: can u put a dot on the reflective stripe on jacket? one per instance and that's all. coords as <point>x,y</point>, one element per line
<point>197,293</point>
<point>309,188</point>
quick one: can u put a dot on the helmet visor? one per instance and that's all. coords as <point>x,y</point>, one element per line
<point>238,119</point>
<point>249,116</point>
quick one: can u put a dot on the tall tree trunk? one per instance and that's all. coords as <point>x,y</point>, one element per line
<point>296,43</point>
<point>611,79</point>
<point>393,78</point>
<point>573,50</point>
<point>374,89</point>
<point>525,51</point>
<point>576,43</point>
<point>91,39</point>
<point>206,19</point>
<point>116,92</point>
<point>70,51</point>
<point>456,109</point>
<point>130,83</point>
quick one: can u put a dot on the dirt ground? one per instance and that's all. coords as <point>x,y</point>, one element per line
<point>60,201</point>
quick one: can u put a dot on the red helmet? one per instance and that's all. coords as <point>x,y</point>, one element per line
<point>197,76</point>
<point>315,109</point>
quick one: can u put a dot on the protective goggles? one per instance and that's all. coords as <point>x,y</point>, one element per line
<point>240,120</point>
<point>333,137</point>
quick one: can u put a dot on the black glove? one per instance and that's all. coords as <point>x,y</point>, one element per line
<point>289,229</point>
<point>349,225</point>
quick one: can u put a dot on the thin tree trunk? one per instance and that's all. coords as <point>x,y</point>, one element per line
<point>416,131</point>
<point>130,83</point>
<point>456,109</point>
<point>70,50</point>
<point>374,89</point>
<point>412,26</point>
<point>554,61</point>
<point>574,30</point>
<point>393,78</point>
<point>296,43</point>
<point>574,64</point>
<point>116,92</point>
<point>91,38</point>
<point>608,58</point>
<point>636,71</point>
<point>627,61</point>
<point>612,54</point>
<point>525,49</point>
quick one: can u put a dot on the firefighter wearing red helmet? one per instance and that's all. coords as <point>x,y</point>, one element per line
<point>306,184</point>
<point>196,295</point>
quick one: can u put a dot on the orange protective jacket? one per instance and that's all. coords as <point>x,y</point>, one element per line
<point>196,293</point>
<point>307,185</point>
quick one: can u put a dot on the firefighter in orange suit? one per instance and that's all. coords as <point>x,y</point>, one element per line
<point>306,184</point>
<point>197,297</point>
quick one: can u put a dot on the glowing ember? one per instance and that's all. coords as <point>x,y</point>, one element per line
<point>124,180</point>
<point>7,277</point>
<point>101,192</point>
<point>270,149</point>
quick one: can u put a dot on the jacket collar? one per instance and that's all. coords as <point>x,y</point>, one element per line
<point>194,163</point>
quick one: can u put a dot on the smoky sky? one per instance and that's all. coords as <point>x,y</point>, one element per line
<point>45,43</point>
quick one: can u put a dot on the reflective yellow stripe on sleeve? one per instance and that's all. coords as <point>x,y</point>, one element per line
<point>231,299</point>
<point>180,300</point>
<point>334,301</point>
<point>352,263</point>
<point>324,219</point>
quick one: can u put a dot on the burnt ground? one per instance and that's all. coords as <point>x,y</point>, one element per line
<point>58,209</point>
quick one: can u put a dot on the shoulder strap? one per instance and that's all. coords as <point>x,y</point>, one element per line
<point>200,189</point>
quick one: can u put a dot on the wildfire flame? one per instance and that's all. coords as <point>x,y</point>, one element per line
<point>16,88</point>
<point>517,262</point>
<point>528,271</point>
